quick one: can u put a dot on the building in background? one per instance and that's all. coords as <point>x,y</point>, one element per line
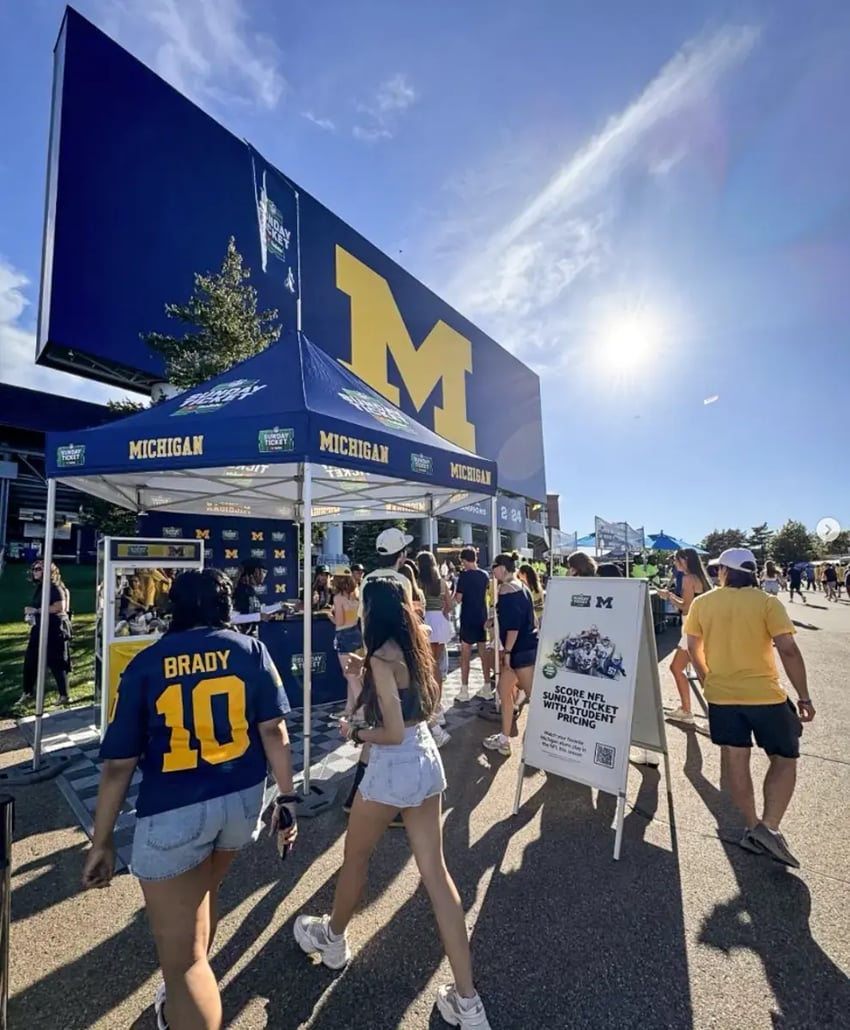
<point>25,417</point>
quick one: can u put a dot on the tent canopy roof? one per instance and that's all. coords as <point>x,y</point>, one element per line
<point>238,444</point>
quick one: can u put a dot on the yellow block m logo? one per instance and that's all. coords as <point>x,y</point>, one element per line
<point>202,534</point>
<point>279,553</point>
<point>257,537</point>
<point>232,553</point>
<point>378,331</point>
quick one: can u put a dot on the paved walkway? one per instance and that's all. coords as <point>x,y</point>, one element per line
<point>685,931</point>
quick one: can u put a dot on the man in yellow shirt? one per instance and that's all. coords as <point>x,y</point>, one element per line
<point>731,633</point>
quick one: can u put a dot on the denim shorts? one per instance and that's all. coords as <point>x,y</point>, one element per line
<point>406,774</point>
<point>348,640</point>
<point>170,843</point>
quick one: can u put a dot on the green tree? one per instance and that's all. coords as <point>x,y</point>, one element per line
<point>718,540</point>
<point>793,542</point>
<point>108,519</point>
<point>222,325</point>
<point>840,545</point>
<point>759,541</point>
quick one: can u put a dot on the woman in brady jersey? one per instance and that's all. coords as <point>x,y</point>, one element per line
<point>200,711</point>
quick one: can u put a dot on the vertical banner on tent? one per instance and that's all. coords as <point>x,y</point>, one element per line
<point>593,649</point>
<point>278,224</point>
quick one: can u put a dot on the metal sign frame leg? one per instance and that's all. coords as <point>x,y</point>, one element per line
<point>620,819</point>
<point>518,794</point>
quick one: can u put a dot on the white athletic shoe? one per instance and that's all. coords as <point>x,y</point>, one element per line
<point>680,715</point>
<point>159,1008</point>
<point>641,757</point>
<point>440,717</point>
<point>466,1013</point>
<point>462,697</point>
<point>313,936</point>
<point>497,743</point>
<point>441,737</point>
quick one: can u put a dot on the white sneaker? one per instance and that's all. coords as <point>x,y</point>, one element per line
<point>680,715</point>
<point>486,693</point>
<point>441,737</point>
<point>641,757</point>
<point>313,936</point>
<point>497,743</point>
<point>467,1013</point>
<point>440,717</point>
<point>159,1008</point>
<point>462,697</point>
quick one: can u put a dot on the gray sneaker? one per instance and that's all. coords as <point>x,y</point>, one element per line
<point>466,1013</point>
<point>774,844</point>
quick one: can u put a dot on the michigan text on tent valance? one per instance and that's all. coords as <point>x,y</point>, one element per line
<point>167,447</point>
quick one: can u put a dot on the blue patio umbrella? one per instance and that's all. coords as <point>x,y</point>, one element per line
<point>662,542</point>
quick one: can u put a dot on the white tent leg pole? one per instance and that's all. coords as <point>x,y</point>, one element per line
<point>44,626</point>
<point>307,505</point>
<point>495,548</point>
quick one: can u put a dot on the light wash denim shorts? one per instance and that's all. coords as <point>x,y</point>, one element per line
<point>405,774</point>
<point>170,843</point>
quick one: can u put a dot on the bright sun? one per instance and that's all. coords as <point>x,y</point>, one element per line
<point>629,341</point>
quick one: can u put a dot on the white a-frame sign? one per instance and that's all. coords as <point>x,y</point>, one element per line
<point>596,688</point>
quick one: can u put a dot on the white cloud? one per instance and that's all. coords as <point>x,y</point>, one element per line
<point>396,94</point>
<point>380,115</point>
<point>205,48</point>
<point>322,123</point>
<point>516,282</point>
<point>17,346</point>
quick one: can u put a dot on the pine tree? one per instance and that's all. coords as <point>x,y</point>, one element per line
<point>223,326</point>
<point>759,541</point>
<point>222,311</point>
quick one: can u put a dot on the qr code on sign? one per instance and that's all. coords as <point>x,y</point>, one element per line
<point>605,755</point>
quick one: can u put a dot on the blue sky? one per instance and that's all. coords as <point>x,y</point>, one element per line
<point>572,177</point>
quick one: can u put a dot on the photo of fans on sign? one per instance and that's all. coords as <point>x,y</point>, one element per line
<point>580,717</point>
<point>589,653</point>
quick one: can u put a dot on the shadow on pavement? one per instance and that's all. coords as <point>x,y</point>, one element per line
<point>770,918</point>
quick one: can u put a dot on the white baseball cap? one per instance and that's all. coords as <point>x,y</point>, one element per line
<point>738,558</point>
<point>392,541</point>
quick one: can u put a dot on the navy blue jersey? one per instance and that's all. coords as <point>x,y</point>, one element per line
<point>189,706</point>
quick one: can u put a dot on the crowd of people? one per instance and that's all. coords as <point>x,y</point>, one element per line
<point>201,713</point>
<point>204,764</point>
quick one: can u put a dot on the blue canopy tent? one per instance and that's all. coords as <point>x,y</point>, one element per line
<point>287,434</point>
<point>664,542</point>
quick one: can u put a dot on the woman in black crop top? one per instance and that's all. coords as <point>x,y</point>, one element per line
<point>518,636</point>
<point>404,774</point>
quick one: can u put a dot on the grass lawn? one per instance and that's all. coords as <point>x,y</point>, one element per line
<point>15,593</point>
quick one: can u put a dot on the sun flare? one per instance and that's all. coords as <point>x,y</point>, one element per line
<point>629,341</point>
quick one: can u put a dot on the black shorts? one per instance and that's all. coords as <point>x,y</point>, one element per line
<point>473,634</point>
<point>523,659</point>
<point>776,728</point>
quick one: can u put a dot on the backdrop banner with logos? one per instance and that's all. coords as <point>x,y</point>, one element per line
<point>596,689</point>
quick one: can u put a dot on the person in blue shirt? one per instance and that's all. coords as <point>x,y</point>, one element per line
<point>200,711</point>
<point>518,635</point>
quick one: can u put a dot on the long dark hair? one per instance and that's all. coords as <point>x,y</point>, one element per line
<point>694,565</point>
<point>531,578</point>
<point>201,599</point>
<point>388,616</point>
<point>429,575</point>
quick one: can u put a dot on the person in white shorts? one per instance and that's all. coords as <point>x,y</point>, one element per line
<point>405,773</point>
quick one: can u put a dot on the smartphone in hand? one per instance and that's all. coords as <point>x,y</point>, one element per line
<point>286,820</point>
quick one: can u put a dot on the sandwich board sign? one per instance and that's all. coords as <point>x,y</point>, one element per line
<point>596,690</point>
